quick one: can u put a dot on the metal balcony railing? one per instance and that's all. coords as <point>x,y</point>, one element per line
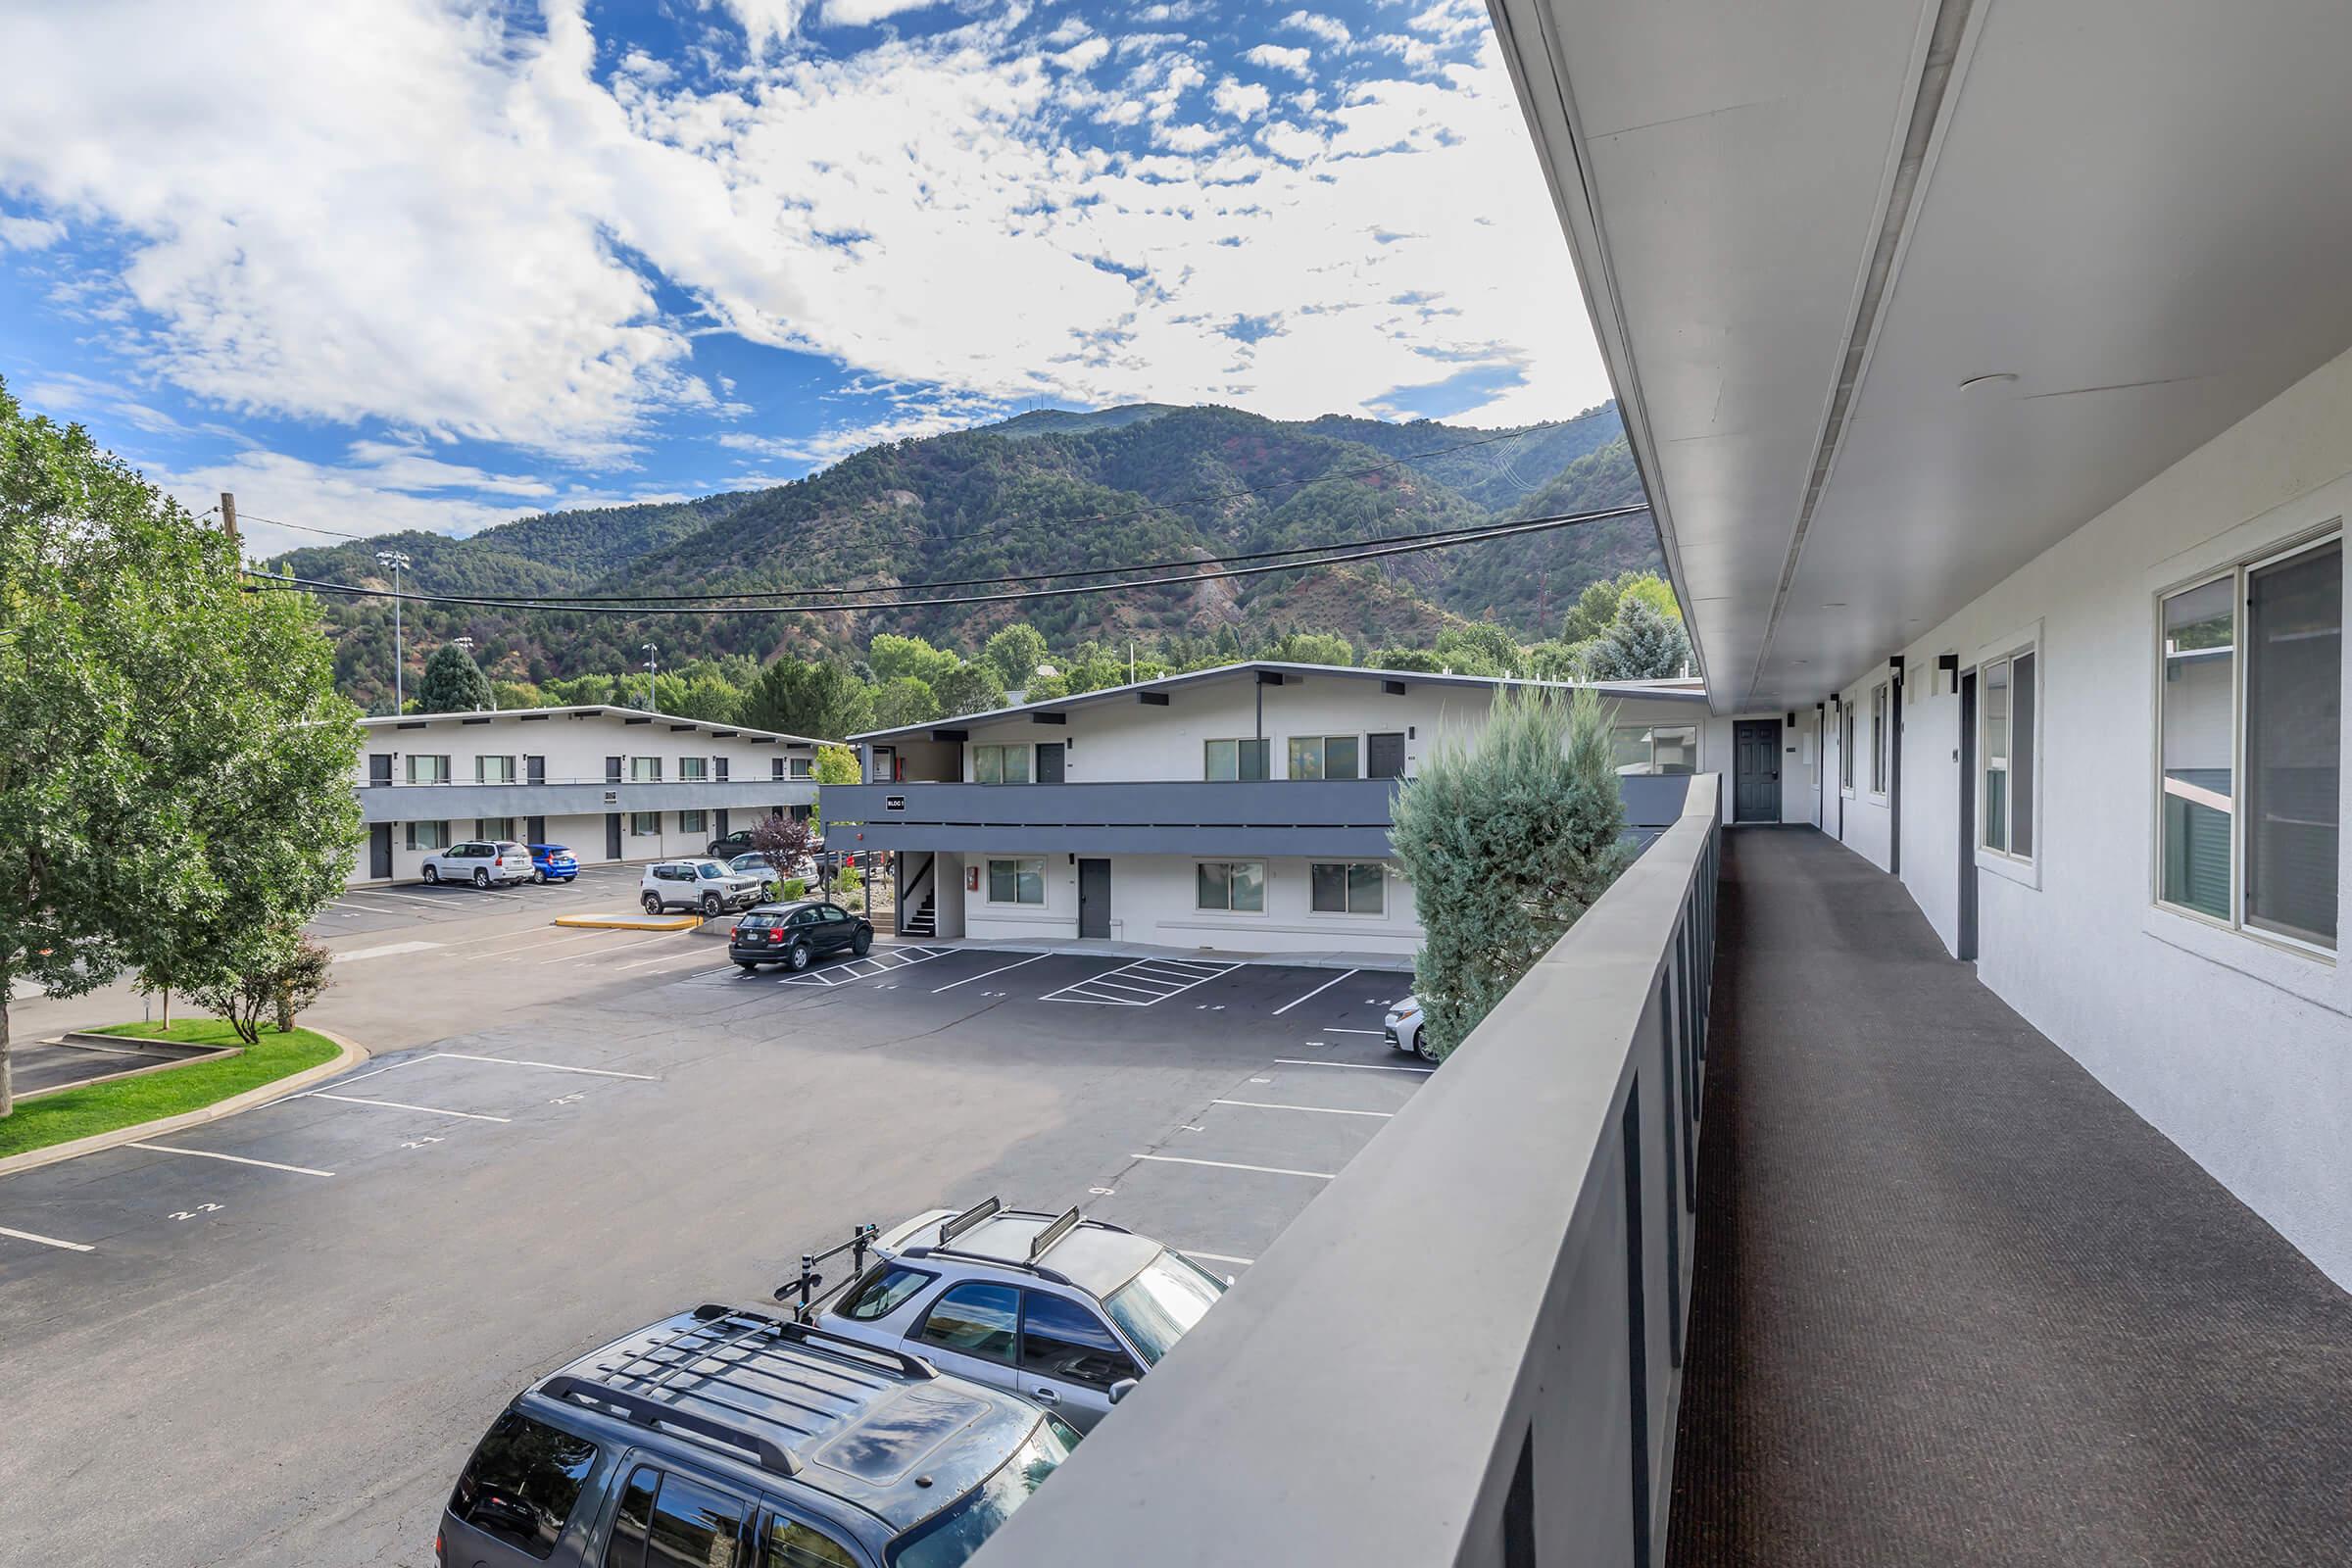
<point>1468,1349</point>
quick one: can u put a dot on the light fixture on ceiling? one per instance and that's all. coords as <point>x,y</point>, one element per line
<point>1989,379</point>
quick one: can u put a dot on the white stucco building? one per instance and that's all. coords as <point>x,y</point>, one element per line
<point>1237,810</point>
<point>612,783</point>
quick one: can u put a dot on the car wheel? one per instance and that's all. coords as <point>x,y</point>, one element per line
<point>482,879</point>
<point>797,957</point>
<point>1423,1049</point>
<point>859,943</point>
<point>538,876</point>
<point>652,902</point>
<point>711,906</point>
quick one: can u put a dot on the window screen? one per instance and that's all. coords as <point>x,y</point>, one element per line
<point>521,1483</point>
<point>2198,703</point>
<point>2294,743</point>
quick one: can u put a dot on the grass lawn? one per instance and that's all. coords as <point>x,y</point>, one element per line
<point>60,1118</point>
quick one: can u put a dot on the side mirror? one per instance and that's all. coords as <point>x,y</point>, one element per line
<point>1123,1388</point>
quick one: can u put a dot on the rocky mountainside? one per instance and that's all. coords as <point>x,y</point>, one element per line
<point>1044,492</point>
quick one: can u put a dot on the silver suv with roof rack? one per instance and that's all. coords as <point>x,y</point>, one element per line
<point>1058,1308</point>
<point>730,1439</point>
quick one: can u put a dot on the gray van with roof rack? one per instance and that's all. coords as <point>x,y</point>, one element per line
<point>730,1439</point>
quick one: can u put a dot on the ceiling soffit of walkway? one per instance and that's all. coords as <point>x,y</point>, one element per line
<point>1895,296</point>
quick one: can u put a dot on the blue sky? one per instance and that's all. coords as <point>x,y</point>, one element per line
<point>394,263</point>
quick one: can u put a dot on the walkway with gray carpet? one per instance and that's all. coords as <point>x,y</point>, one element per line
<point>1954,1303</point>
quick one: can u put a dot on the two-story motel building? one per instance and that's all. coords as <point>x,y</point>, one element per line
<point>612,783</point>
<point>1244,808</point>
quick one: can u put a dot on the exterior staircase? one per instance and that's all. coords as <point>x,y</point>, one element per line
<point>921,921</point>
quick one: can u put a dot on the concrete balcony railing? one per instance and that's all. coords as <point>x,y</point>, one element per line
<point>1265,816</point>
<point>1468,1349</point>
<point>459,799</point>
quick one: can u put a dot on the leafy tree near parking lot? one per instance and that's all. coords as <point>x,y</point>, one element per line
<point>1506,841</point>
<point>796,698</point>
<point>174,764</point>
<point>286,980</point>
<point>786,841</point>
<point>835,764</point>
<point>1015,652</point>
<point>453,683</point>
<point>970,689</point>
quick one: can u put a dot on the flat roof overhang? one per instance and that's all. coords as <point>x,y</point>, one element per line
<point>1807,231</point>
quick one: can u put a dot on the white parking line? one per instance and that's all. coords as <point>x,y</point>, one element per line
<point>551,1066</point>
<point>842,974</point>
<point>1311,995</point>
<point>985,974</point>
<point>559,941</point>
<point>591,958</point>
<point>1356,1031</point>
<point>385,952</point>
<point>394,1105</point>
<point>1227,1164</point>
<point>46,1240</point>
<point>234,1160</point>
<point>383,893</point>
<point>1359,1066</point>
<point>666,957</point>
<point>1159,988</point>
<point>1320,1110</point>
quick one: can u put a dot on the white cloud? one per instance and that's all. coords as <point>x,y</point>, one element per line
<point>1240,100</point>
<point>764,22</point>
<point>1328,28</point>
<point>1450,20</point>
<point>1279,57</point>
<point>866,13</point>
<point>1084,56</point>
<point>29,234</point>
<point>420,218</point>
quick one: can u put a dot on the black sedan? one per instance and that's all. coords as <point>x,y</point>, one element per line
<point>798,934</point>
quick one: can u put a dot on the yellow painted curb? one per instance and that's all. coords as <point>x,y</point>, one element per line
<point>632,922</point>
<point>352,1054</point>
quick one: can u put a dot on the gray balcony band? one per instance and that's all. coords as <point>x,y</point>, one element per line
<point>453,802</point>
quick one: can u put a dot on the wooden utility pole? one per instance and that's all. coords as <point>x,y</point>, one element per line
<point>229,516</point>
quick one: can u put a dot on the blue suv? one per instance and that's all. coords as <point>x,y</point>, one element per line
<point>552,863</point>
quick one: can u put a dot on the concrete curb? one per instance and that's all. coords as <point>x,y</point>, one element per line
<point>631,922</point>
<point>350,1056</point>
<point>182,1055</point>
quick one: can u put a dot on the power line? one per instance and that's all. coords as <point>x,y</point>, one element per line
<point>1409,546</point>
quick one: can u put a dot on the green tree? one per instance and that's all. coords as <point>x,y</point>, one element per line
<point>1420,659</point>
<point>174,764</point>
<point>511,694</point>
<point>580,691</point>
<point>701,693</point>
<point>1506,841</point>
<point>894,657</point>
<point>1596,609</point>
<point>817,698</point>
<point>453,683</point>
<point>970,689</point>
<point>836,765</point>
<point>1015,652</point>
<point>1482,649</point>
<point>1639,645</point>
<point>1311,648</point>
<point>903,699</point>
<point>286,980</point>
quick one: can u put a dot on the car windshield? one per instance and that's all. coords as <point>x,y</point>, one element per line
<point>951,1538</point>
<point>1159,1307</point>
<point>709,870</point>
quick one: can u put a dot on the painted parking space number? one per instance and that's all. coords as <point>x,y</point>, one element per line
<point>200,1208</point>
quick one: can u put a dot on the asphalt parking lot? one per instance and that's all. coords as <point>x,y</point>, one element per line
<point>272,1339</point>
<point>407,905</point>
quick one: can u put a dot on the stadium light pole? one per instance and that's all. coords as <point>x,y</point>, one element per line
<point>396,560</point>
<point>652,661</point>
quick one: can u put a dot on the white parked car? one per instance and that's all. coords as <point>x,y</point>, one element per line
<point>484,863</point>
<point>708,886</point>
<point>1403,1028</point>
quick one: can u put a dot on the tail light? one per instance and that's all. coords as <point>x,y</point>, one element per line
<point>775,934</point>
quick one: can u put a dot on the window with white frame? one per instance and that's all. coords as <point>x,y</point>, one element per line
<point>645,769</point>
<point>803,767</point>
<point>693,769</point>
<point>719,764</point>
<point>1232,886</point>
<point>1324,756</point>
<point>1018,881</point>
<point>1846,747</point>
<point>2008,707</point>
<point>425,769</point>
<point>1234,761</point>
<point>2250,737</point>
<point>494,827</point>
<point>645,824</point>
<point>1882,738</point>
<point>775,767</point>
<point>428,836</point>
<point>1352,887</point>
<point>693,822</point>
<point>494,770</point>
<point>1000,764</point>
<point>1655,748</point>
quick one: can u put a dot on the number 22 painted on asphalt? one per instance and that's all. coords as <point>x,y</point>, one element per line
<point>200,1208</point>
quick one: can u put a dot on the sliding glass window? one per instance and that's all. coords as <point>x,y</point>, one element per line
<point>2250,726</point>
<point>1231,762</point>
<point>2007,747</point>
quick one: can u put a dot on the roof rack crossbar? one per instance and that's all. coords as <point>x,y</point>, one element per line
<point>751,1353</point>
<point>1038,1269</point>
<point>986,1208</point>
<point>912,1365</point>
<point>706,1395</point>
<point>1043,1242</point>
<point>646,1412</point>
<point>707,1334</point>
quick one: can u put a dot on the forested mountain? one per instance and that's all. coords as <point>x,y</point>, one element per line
<point>1044,492</point>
